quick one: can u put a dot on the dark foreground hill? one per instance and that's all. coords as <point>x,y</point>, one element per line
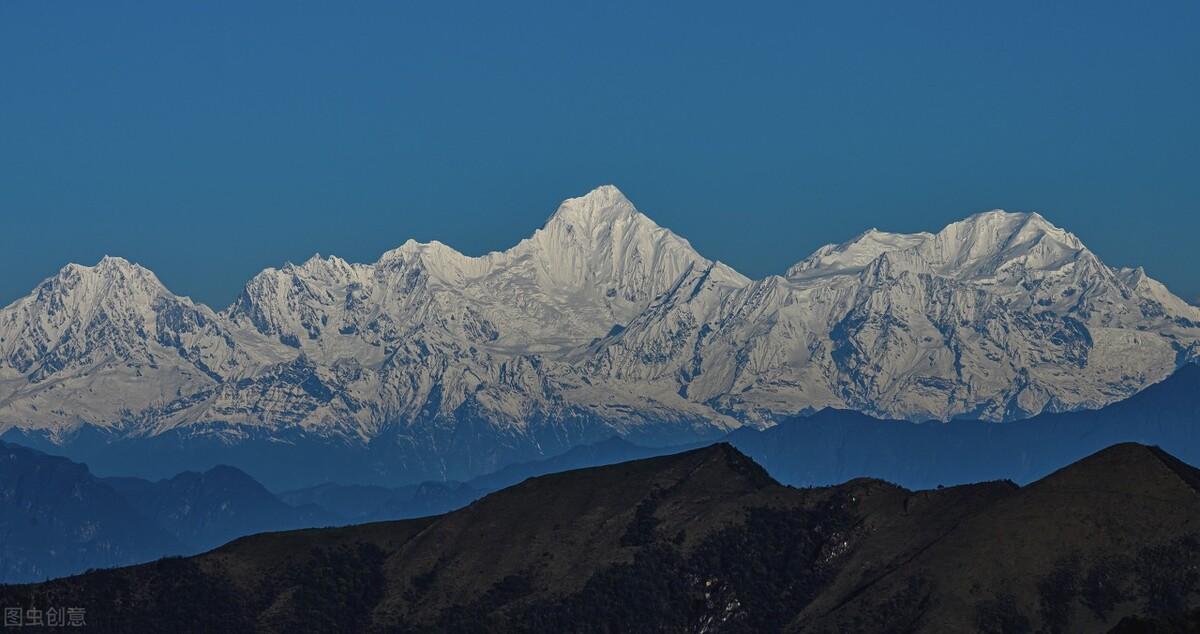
<point>58,519</point>
<point>365,503</point>
<point>702,541</point>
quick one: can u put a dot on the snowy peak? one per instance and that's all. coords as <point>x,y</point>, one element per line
<point>330,267</point>
<point>597,263</point>
<point>603,206</point>
<point>114,285</point>
<point>441,261</point>
<point>980,245</point>
<point>1149,288</point>
<point>111,275</point>
<point>601,242</point>
<point>854,256</point>
<point>602,230</point>
<point>602,315</point>
<point>987,243</point>
<point>602,225</point>
<point>115,313</point>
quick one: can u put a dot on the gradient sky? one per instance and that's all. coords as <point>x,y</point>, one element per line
<point>209,140</point>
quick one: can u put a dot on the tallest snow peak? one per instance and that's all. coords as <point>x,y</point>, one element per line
<point>603,205</point>
<point>604,194</point>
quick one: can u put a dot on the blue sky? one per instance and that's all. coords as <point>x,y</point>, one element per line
<point>209,140</point>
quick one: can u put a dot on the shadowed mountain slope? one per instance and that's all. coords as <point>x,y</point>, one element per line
<point>1112,535</point>
<point>360,503</point>
<point>703,540</point>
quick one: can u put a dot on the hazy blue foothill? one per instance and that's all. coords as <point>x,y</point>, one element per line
<point>138,519</point>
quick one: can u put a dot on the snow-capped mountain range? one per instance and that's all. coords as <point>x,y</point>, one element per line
<point>601,322</point>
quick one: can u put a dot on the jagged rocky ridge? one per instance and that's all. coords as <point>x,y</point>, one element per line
<point>602,322</point>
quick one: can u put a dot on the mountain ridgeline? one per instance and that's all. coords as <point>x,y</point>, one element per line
<point>51,533</point>
<point>432,365</point>
<point>835,445</point>
<point>58,519</point>
<point>704,540</point>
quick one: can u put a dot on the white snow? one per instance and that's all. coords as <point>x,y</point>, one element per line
<point>998,316</point>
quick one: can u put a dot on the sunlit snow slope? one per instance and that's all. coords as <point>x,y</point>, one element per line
<point>601,322</point>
